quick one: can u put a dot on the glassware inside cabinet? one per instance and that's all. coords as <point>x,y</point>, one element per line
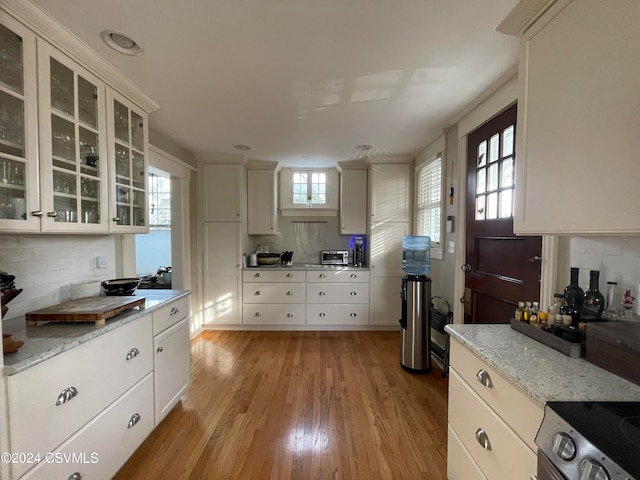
<point>11,125</point>
<point>64,183</point>
<point>89,146</point>
<point>90,212</point>
<point>137,176</point>
<point>121,121</point>
<point>139,208</point>
<point>11,65</point>
<point>62,88</point>
<point>90,188</point>
<point>66,209</point>
<point>123,215</point>
<point>63,143</point>
<point>122,164</point>
<point>137,131</point>
<point>87,103</point>
<point>13,173</point>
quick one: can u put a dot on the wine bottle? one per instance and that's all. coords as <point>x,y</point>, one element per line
<point>573,294</point>
<point>593,299</point>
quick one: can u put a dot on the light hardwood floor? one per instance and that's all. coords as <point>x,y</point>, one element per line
<point>300,405</point>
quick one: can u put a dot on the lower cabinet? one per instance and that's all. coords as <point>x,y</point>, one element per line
<point>338,299</point>
<point>492,424</point>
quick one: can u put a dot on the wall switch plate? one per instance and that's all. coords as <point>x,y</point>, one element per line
<point>101,262</point>
<point>452,247</point>
<point>450,223</point>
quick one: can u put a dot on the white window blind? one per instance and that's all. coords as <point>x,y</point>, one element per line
<point>429,207</point>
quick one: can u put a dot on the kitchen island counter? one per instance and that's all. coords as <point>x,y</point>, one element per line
<point>47,340</point>
<point>540,372</point>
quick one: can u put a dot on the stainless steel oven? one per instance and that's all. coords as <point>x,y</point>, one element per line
<point>589,441</point>
<point>334,257</point>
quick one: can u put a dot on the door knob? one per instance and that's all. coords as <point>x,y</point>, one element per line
<point>466,267</point>
<point>535,258</point>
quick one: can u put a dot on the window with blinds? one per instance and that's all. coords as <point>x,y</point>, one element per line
<point>429,200</point>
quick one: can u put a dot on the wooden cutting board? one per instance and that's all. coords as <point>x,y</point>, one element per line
<point>92,309</point>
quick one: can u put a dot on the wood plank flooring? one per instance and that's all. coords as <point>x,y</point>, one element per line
<point>300,406</point>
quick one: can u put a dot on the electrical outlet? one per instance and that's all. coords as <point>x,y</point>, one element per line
<point>101,262</point>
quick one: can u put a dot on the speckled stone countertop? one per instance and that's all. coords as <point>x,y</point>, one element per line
<point>539,371</point>
<point>305,266</point>
<point>53,338</point>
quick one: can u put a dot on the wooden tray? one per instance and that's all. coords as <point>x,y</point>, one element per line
<point>92,309</point>
<point>548,339</point>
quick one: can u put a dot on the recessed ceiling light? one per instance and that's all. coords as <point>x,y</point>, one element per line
<point>363,147</point>
<point>242,147</point>
<point>121,43</point>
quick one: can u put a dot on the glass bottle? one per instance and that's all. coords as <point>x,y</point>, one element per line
<point>520,311</point>
<point>527,312</point>
<point>593,299</point>
<point>574,295</point>
<point>611,313</point>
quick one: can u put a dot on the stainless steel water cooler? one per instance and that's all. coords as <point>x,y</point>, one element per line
<point>415,340</point>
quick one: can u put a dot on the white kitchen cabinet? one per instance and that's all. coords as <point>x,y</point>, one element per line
<point>262,209</point>
<point>222,192</point>
<point>222,273</point>
<point>274,297</point>
<point>170,367</point>
<point>390,192</point>
<point>353,202</point>
<point>485,409</point>
<point>337,297</point>
<point>273,293</point>
<point>578,123</point>
<point>73,145</point>
<point>128,134</point>
<point>18,128</point>
<point>309,192</point>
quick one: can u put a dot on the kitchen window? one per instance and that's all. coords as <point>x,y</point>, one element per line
<point>429,198</point>
<point>309,188</point>
<point>312,191</point>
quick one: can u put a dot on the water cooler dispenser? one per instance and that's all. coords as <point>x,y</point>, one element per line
<point>415,340</point>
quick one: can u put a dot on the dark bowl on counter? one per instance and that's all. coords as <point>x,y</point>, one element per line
<point>120,286</point>
<point>268,258</point>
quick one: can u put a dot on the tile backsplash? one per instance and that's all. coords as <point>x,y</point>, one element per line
<point>617,259</point>
<point>46,265</point>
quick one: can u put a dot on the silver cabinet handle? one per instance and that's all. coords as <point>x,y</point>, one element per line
<point>37,213</point>
<point>321,294</point>
<point>52,214</point>
<point>135,418</point>
<point>483,439</point>
<point>116,219</point>
<point>353,315</point>
<point>483,377</point>
<point>75,476</point>
<point>66,395</point>
<point>321,314</point>
<point>289,292</point>
<point>257,275</point>
<point>322,275</point>
<point>289,275</point>
<point>353,294</point>
<point>134,352</point>
<point>289,315</point>
<point>174,310</point>
<point>353,275</point>
<point>257,314</point>
<point>258,292</point>
<point>160,349</point>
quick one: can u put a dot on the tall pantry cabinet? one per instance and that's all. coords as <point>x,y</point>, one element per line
<point>390,190</point>
<point>223,229</point>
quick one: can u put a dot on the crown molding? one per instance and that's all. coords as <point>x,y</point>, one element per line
<point>523,15</point>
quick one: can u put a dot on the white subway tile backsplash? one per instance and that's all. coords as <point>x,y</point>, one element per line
<point>46,265</point>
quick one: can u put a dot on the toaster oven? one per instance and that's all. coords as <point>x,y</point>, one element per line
<point>334,257</point>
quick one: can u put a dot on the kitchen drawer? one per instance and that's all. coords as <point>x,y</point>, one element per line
<point>100,371</point>
<point>335,276</point>
<point>516,409</point>
<point>337,293</point>
<point>337,315</point>
<point>273,314</point>
<point>278,276</point>
<point>109,438</point>
<point>272,293</point>
<point>508,456</point>
<point>170,314</point>
<point>460,465</point>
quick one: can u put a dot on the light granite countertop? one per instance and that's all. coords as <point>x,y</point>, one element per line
<point>539,371</point>
<point>49,339</point>
<point>305,266</point>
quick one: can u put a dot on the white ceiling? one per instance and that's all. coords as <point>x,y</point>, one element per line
<point>302,78</point>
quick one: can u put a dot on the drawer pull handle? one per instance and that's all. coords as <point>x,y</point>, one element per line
<point>257,314</point>
<point>135,418</point>
<point>322,275</point>
<point>258,292</point>
<point>322,294</point>
<point>75,476</point>
<point>289,292</point>
<point>321,314</point>
<point>353,294</point>
<point>483,377</point>
<point>257,275</point>
<point>353,315</point>
<point>174,310</point>
<point>353,275</point>
<point>289,275</point>
<point>66,395</point>
<point>289,315</point>
<point>483,439</point>
<point>134,352</point>
<point>160,349</point>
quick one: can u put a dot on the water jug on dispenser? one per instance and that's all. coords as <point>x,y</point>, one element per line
<point>416,255</point>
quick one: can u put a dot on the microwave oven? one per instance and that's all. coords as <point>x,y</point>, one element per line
<point>334,257</point>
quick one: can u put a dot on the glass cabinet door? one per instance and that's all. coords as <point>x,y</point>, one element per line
<point>18,123</point>
<point>73,146</point>
<point>128,137</point>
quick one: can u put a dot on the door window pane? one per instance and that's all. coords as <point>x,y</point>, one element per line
<point>508,141</point>
<point>482,154</point>
<point>494,148</point>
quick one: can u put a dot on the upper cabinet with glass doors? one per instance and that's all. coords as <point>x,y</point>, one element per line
<point>73,145</point>
<point>18,126</point>
<point>128,141</point>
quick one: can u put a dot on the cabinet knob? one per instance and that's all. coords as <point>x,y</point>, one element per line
<point>174,310</point>
<point>135,418</point>
<point>257,275</point>
<point>483,439</point>
<point>353,294</point>
<point>75,476</point>
<point>66,395</point>
<point>52,214</point>
<point>322,275</point>
<point>353,315</point>
<point>134,352</point>
<point>321,314</point>
<point>484,378</point>
<point>353,275</point>
<point>37,213</point>
<point>289,292</point>
<point>160,349</point>
<point>289,315</point>
<point>322,294</point>
<point>257,314</point>
<point>258,292</point>
<point>289,275</point>
<point>237,214</point>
